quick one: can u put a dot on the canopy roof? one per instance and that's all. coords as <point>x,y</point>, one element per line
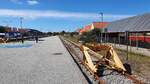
<point>134,24</point>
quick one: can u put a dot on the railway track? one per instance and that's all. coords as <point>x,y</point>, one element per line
<point>105,74</point>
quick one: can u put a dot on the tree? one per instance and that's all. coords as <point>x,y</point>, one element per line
<point>49,33</point>
<point>91,36</point>
<point>63,32</point>
<point>2,29</point>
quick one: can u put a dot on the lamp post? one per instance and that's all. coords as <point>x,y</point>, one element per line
<point>102,26</point>
<point>21,18</point>
<point>22,38</point>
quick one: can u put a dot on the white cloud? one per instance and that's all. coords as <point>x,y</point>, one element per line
<point>32,2</point>
<point>34,14</point>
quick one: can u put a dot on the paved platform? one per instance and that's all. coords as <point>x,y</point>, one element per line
<point>47,62</point>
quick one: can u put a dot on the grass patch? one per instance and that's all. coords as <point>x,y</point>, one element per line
<point>135,56</point>
<point>140,64</point>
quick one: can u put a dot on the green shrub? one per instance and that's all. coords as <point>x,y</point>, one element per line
<point>91,36</point>
<point>2,29</point>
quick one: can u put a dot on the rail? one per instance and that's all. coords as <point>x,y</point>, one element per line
<point>92,68</point>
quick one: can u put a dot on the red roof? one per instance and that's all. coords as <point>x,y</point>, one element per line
<point>96,25</point>
<point>8,29</point>
<point>15,30</point>
<point>22,30</point>
<point>100,24</point>
<point>86,28</point>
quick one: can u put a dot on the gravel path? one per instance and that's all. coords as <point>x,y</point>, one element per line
<point>112,77</point>
<point>47,62</point>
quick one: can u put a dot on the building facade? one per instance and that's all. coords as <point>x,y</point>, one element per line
<point>94,25</point>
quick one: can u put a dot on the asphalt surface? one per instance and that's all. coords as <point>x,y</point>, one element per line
<point>47,62</point>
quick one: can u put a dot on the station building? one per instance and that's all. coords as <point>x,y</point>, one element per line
<point>137,26</point>
<point>98,25</point>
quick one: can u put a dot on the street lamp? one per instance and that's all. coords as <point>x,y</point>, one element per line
<point>21,18</point>
<point>22,38</point>
<point>102,26</point>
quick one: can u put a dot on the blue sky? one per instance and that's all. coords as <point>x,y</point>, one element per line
<point>58,15</point>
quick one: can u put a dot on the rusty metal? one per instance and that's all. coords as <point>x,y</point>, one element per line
<point>103,47</point>
<point>133,79</point>
<point>100,81</point>
<point>101,61</point>
<point>110,56</point>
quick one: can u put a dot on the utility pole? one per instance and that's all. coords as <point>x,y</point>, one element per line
<point>137,43</point>
<point>102,26</point>
<point>127,43</point>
